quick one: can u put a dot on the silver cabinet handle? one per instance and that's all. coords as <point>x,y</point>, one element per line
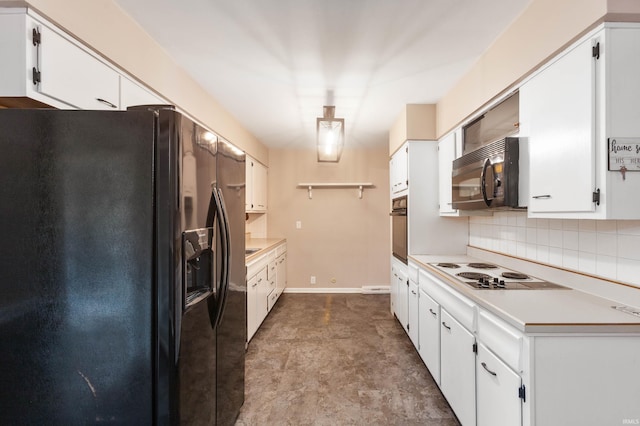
<point>446,326</point>
<point>106,102</point>
<point>432,312</point>
<point>484,365</point>
<point>413,292</point>
<point>545,196</point>
<point>254,284</point>
<point>260,280</point>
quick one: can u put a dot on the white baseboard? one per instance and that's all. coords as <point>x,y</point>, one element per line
<point>369,289</point>
<point>376,289</point>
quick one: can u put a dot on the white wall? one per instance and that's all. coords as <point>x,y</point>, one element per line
<point>606,249</point>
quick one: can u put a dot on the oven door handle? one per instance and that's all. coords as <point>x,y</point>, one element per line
<point>483,182</point>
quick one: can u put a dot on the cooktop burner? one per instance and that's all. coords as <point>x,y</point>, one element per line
<point>481,265</point>
<point>515,275</point>
<point>473,275</point>
<point>448,265</point>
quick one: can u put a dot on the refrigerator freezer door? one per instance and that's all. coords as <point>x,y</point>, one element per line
<point>76,267</point>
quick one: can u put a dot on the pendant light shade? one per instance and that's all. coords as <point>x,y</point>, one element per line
<point>330,132</point>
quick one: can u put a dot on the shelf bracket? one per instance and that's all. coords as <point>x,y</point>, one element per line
<point>309,188</point>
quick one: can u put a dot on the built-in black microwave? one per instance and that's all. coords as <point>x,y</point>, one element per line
<point>488,177</point>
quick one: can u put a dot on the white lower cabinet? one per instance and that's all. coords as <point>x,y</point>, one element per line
<point>429,331</point>
<point>498,401</point>
<point>494,374</point>
<point>402,298</point>
<point>281,273</point>
<point>458,368</point>
<point>413,325</point>
<point>266,280</point>
<point>256,303</point>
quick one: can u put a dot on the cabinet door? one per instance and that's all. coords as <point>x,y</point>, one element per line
<point>446,155</point>
<point>281,274</point>
<point>74,76</point>
<point>558,111</point>
<point>248,206</point>
<point>498,400</point>
<point>256,186</point>
<point>398,170</point>
<point>429,330</point>
<point>413,317</point>
<point>393,290</point>
<point>458,368</point>
<point>252,306</point>
<point>402,300</point>
<point>259,187</point>
<point>134,94</point>
<point>262,303</point>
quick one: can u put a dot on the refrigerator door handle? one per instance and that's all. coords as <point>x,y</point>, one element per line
<point>225,236</point>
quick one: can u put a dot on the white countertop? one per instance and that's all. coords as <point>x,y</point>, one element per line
<point>540,311</point>
<point>262,244</point>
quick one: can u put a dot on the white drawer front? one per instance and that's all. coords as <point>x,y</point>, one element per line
<point>503,339</point>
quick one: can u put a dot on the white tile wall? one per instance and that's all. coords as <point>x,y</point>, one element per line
<point>608,249</point>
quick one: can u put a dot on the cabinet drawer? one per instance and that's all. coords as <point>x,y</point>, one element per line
<point>413,272</point>
<point>503,339</point>
<point>273,296</point>
<point>281,249</point>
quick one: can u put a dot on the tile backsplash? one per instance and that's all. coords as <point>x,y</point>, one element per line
<point>607,249</point>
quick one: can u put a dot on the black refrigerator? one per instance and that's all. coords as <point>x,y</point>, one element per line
<point>122,273</point>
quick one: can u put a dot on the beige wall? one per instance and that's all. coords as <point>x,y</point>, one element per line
<point>543,29</point>
<point>342,236</point>
<point>415,122</point>
<point>102,25</point>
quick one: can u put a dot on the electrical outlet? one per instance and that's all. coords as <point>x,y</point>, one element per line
<point>298,224</point>
<point>313,279</point>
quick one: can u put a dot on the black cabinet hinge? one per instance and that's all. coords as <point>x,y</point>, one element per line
<point>596,197</point>
<point>408,327</point>
<point>474,348</point>
<point>522,393</point>
<point>35,74</point>
<point>595,51</point>
<point>36,37</point>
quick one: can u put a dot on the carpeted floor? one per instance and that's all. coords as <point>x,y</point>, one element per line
<point>337,359</point>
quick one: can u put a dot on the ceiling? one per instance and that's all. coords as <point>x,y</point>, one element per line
<point>273,64</point>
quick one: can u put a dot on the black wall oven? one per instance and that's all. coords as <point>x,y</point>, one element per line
<point>399,228</point>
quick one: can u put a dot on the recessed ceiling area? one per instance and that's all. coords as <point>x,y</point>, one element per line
<point>273,64</point>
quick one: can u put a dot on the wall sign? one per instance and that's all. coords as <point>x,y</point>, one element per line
<point>624,155</point>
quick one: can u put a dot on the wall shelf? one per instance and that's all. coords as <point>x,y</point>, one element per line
<point>360,186</point>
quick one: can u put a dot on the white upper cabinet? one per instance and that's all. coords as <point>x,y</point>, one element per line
<point>571,111</point>
<point>446,155</point>
<point>557,110</point>
<point>42,65</point>
<point>398,171</point>
<point>256,186</point>
<point>74,76</point>
<point>134,94</point>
